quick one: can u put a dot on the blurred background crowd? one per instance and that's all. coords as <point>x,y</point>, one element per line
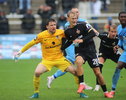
<point>29,16</point>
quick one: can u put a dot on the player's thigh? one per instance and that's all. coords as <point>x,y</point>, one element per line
<point>101,60</point>
<point>122,58</point>
<point>48,64</point>
<point>93,61</point>
<point>63,64</point>
<point>101,57</point>
<point>40,69</point>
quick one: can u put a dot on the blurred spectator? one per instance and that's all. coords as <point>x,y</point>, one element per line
<point>13,7</point>
<point>4,2</point>
<point>28,23</point>
<point>96,11</point>
<point>4,26</point>
<point>105,5</point>
<point>61,21</point>
<point>108,2</point>
<point>45,12</point>
<point>108,24</point>
<point>52,4</point>
<point>83,5</point>
<point>67,5</point>
<point>24,5</point>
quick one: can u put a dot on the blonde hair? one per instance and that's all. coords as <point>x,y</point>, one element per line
<point>71,12</point>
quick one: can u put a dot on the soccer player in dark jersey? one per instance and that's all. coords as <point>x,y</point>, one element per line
<point>108,41</point>
<point>81,35</point>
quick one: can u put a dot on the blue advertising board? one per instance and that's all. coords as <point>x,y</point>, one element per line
<point>11,44</point>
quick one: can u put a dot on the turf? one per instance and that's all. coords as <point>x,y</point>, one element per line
<point>16,82</point>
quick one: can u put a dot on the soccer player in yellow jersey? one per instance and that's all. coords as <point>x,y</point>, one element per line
<point>51,40</point>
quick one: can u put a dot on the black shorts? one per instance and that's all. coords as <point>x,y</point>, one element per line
<point>113,56</point>
<point>90,56</point>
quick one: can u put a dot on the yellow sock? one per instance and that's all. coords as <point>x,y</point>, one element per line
<point>76,80</point>
<point>36,82</point>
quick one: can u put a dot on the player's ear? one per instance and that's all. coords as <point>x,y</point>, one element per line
<point>67,18</point>
<point>47,26</point>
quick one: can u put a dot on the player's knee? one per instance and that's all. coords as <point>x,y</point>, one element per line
<point>79,62</point>
<point>37,73</point>
<point>71,69</point>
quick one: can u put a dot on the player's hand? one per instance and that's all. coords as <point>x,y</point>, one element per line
<point>16,57</point>
<point>76,44</point>
<point>115,48</point>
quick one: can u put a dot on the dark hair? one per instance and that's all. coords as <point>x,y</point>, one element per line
<point>50,20</point>
<point>123,12</point>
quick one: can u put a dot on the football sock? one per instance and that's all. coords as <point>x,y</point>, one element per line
<point>58,73</point>
<point>104,88</point>
<point>115,78</point>
<point>81,80</point>
<point>100,65</point>
<point>36,82</point>
<point>76,80</point>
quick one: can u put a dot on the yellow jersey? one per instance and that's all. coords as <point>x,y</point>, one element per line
<point>50,44</point>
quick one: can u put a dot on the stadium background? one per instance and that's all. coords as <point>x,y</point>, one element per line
<point>12,43</point>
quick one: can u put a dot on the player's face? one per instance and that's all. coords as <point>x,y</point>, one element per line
<point>51,27</point>
<point>122,18</point>
<point>72,20</point>
<point>76,11</point>
<point>112,33</point>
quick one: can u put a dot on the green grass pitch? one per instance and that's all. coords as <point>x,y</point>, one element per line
<point>16,82</point>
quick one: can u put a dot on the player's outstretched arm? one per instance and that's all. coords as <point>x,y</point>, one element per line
<point>26,47</point>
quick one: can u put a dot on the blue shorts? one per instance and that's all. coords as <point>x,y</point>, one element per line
<point>70,59</point>
<point>123,57</point>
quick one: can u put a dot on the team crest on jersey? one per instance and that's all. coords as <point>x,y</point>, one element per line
<point>121,38</point>
<point>57,37</point>
<point>78,31</point>
<point>35,38</point>
<point>113,43</point>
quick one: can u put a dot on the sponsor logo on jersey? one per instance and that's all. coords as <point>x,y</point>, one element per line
<point>57,37</point>
<point>78,31</point>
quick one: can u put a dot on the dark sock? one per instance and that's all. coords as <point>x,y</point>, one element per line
<point>54,76</point>
<point>104,88</point>
<point>81,79</point>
